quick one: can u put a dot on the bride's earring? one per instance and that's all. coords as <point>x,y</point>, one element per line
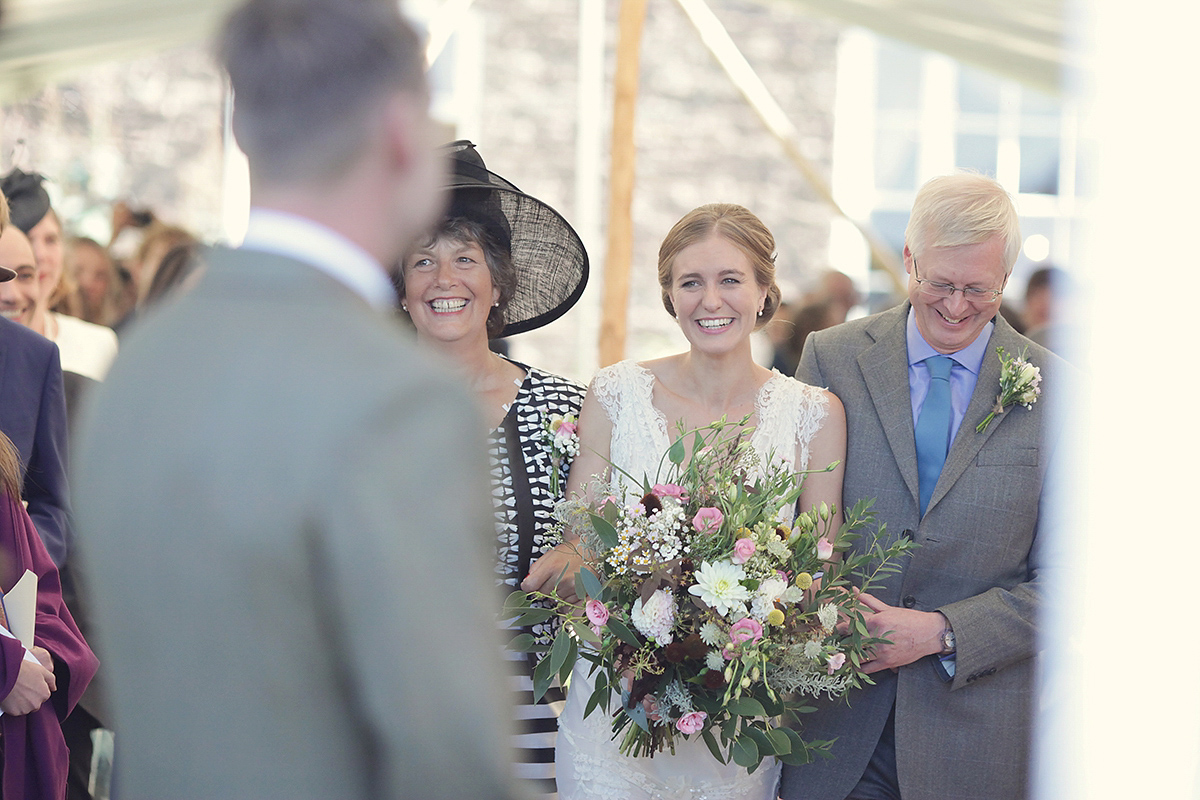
<point>404,306</point>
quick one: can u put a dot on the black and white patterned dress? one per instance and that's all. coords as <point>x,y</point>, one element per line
<point>521,467</point>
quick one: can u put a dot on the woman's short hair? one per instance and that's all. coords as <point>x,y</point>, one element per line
<point>963,208</point>
<point>738,226</point>
<point>498,258</point>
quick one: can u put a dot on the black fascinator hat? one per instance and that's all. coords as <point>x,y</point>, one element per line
<point>547,254</point>
<point>27,198</point>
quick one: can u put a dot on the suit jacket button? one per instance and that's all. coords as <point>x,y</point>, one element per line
<point>908,534</point>
<point>909,601</point>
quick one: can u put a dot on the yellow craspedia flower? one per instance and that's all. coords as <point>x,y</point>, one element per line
<point>775,617</point>
<point>744,533</point>
<point>804,580</point>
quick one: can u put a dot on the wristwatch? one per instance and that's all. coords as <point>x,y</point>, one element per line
<point>947,640</point>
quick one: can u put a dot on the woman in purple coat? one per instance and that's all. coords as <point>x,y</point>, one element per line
<point>40,686</point>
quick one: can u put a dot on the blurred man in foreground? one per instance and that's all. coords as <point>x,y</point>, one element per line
<point>283,505</point>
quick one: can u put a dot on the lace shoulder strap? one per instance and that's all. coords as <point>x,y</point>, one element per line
<point>789,414</point>
<point>639,433</point>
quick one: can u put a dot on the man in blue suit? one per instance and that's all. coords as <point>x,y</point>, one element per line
<point>33,410</point>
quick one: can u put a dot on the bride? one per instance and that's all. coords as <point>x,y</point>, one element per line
<point>717,273</point>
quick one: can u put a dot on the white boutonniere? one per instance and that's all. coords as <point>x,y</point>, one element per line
<point>1020,384</point>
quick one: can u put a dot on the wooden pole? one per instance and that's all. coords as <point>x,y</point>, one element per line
<point>619,255</point>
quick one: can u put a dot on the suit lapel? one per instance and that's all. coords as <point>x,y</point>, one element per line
<point>884,368</point>
<point>967,443</point>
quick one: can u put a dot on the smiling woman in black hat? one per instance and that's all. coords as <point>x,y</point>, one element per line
<point>501,262</point>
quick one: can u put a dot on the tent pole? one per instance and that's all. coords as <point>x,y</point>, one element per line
<point>619,255</point>
<point>746,80</point>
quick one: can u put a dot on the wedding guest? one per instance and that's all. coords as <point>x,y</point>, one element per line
<point>951,709</point>
<point>31,212</point>
<point>813,315</point>
<point>502,262</point>
<point>282,503</point>
<point>178,271</point>
<point>37,378</point>
<point>85,349</point>
<point>158,239</point>
<point>716,272</point>
<point>32,409</point>
<point>1049,310</point>
<point>39,686</point>
<point>95,277</point>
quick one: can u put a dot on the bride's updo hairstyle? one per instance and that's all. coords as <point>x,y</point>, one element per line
<point>737,225</point>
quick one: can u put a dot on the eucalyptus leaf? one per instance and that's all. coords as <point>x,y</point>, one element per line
<point>559,650</point>
<point>677,452</point>
<point>535,615</point>
<point>623,633</point>
<point>522,643</point>
<point>591,584</point>
<point>516,602</point>
<point>765,746</point>
<point>568,664</point>
<point>711,741</point>
<point>583,632</point>
<point>543,677</point>
<point>781,743</point>
<point>746,707</point>
<point>605,530</point>
<point>745,752</point>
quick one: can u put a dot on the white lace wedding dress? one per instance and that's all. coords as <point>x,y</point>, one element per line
<point>588,763</point>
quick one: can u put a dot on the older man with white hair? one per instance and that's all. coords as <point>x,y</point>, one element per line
<point>950,713</point>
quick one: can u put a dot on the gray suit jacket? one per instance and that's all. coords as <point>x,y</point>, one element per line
<point>981,561</point>
<point>283,511</point>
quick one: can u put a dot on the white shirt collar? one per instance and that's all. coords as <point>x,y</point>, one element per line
<point>302,239</point>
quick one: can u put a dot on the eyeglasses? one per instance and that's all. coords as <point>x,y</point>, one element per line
<point>944,291</point>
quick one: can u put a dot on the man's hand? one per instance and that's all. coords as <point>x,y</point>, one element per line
<point>544,573</point>
<point>913,634</point>
<point>33,687</point>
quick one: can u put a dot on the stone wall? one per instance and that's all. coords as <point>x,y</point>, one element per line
<point>147,131</point>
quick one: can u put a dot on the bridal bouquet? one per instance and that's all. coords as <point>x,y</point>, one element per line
<point>708,610</point>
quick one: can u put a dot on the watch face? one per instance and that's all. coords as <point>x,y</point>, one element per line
<point>948,641</point>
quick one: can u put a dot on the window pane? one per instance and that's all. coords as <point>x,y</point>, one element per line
<point>889,226</point>
<point>896,159</point>
<point>1039,103</point>
<point>978,92</point>
<point>1039,165</point>
<point>899,76</point>
<point>977,152</point>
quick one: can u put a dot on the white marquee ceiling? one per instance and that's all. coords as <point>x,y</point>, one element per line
<point>42,41</point>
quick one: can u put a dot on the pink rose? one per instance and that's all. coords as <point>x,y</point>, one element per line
<point>692,722</point>
<point>669,490</point>
<point>567,428</point>
<point>836,661</point>
<point>824,549</point>
<point>746,630</point>
<point>597,614</point>
<point>708,520</point>
<point>742,550</point>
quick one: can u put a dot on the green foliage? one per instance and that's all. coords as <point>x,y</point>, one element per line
<point>760,684</point>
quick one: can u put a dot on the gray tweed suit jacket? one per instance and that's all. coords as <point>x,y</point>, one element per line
<point>982,561</point>
<point>283,510</point>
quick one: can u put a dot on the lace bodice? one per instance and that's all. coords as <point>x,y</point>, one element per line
<point>787,413</point>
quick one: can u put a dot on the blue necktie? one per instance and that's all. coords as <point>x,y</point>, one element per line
<point>933,426</point>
